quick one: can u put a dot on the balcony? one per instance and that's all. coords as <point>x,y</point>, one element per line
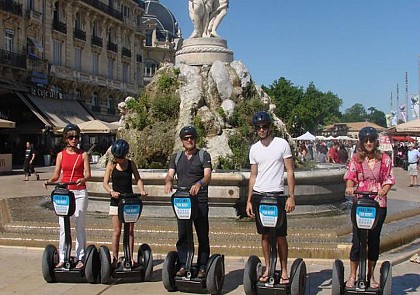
<point>125,52</point>
<point>105,8</point>
<point>11,6</point>
<point>12,59</point>
<point>97,41</point>
<point>59,26</point>
<point>79,34</point>
<point>112,46</point>
<point>96,109</point>
<point>34,15</point>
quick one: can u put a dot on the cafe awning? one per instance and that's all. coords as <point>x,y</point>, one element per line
<point>7,124</point>
<point>56,112</point>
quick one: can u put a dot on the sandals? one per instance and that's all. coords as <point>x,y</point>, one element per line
<point>373,284</point>
<point>79,265</point>
<point>415,258</point>
<point>284,281</point>
<point>263,278</point>
<point>60,264</point>
<point>350,282</point>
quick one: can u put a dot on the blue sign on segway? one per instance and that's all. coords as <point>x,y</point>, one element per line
<point>365,217</point>
<point>269,215</point>
<point>131,213</point>
<point>182,207</point>
<point>61,204</point>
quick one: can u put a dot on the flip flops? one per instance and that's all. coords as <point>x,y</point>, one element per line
<point>263,278</point>
<point>373,284</point>
<point>284,281</point>
<point>79,265</point>
<point>350,282</point>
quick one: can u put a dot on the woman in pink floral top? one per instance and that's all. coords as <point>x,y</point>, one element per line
<point>368,170</point>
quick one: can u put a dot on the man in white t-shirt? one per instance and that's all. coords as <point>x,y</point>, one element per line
<point>268,158</point>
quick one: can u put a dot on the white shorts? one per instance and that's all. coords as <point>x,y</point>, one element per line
<point>412,169</point>
<point>113,210</point>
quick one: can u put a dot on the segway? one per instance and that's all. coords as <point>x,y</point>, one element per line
<point>64,206</point>
<point>364,218</point>
<point>270,214</point>
<point>129,210</point>
<point>185,208</point>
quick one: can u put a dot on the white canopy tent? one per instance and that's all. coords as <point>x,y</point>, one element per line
<point>306,136</point>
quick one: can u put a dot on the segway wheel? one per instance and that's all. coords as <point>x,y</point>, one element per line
<point>169,271</point>
<point>298,277</point>
<point>92,264</point>
<point>105,259</point>
<point>337,278</point>
<point>251,275</point>
<point>49,260</point>
<point>145,258</point>
<point>386,278</point>
<point>215,275</point>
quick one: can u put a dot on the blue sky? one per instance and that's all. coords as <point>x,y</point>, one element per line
<point>357,49</point>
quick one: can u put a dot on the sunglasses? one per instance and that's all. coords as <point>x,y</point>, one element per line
<point>369,139</point>
<point>71,137</point>
<point>188,138</point>
<point>262,127</point>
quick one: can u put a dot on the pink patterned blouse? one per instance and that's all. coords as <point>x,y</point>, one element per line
<point>371,180</point>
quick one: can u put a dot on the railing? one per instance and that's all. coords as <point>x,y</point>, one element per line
<point>105,8</point>
<point>125,52</point>
<point>12,59</point>
<point>59,26</point>
<point>79,34</point>
<point>33,15</point>
<point>112,46</point>
<point>97,41</point>
<point>11,6</point>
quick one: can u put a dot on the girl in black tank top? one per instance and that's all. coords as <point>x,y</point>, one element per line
<point>121,171</point>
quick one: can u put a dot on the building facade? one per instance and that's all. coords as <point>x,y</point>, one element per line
<point>71,61</point>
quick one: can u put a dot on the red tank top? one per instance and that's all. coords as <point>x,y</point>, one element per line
<point>67,164</point>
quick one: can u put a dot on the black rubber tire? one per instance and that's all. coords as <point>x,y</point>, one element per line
<point>215,277</point>
<point>92,264</point>
<point>145,258</point>
<point>298,278</point>
<point>337,284</point>
<point>169,271</point>
<point>105,259</point>
<point>49,261</point>
<point>251,275</point>
<point>386,278</point>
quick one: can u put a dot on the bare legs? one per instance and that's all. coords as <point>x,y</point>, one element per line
<point>116,234</point>
<point>282,246</point>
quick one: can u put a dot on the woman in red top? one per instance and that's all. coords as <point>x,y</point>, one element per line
<point>74,166</point>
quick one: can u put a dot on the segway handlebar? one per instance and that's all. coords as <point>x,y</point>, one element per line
<point>128,195</point>
<point>60,183</point>
<point>275,195</point>
<point>365,193</point>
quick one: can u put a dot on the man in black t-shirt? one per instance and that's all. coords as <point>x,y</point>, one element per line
<point>28,164</point>
<point>194,173</point>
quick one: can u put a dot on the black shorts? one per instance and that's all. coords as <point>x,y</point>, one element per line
<point>281,231</point>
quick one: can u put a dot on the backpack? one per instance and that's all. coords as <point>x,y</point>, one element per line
<point>200,155</point>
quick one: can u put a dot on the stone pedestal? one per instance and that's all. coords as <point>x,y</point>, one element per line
<point>203,51</point>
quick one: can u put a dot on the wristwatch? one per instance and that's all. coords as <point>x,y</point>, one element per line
<point>201,182</point>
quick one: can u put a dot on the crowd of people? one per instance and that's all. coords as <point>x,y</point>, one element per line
<point>368,169</point>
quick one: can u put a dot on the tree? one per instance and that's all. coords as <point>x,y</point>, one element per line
<point>356,113</point>
<point>377,117</point>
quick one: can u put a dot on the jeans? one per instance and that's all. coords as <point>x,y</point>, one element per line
<point>80,216</point>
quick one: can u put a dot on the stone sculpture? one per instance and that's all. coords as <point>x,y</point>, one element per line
<point>206,16</point>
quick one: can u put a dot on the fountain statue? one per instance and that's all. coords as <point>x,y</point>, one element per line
<point>206,16</point>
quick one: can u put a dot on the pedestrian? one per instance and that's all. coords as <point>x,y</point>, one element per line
<point>121,171</point>
<point>268,158</point>
<point>194,172</point>
<point>72,164</point>
<point>413,156</point>
<point>370,171</point>
<point>28,164</point>
<point>332,155</point>
<point>342,154</point>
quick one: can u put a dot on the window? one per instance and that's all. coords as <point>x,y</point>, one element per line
<point>110,68</point>
<point>9,40</point>
<point>125,72</point>
<point>95,64</point>
<point>29,4</point>
<point>77,22</point>
<point>78,94</point>
<point>149,38</point>
<point>78,59</point>
<point>57,48</point>
<point>110,105</point>
<point>150,68</point>
<point>95,30</point>
<point>95,102</point>
<point>125,11</point>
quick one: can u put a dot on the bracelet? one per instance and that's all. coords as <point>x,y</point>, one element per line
<point>111,191</point>
<point>201,182</point>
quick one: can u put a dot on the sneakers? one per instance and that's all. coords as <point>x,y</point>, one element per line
<point>181,272</point>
